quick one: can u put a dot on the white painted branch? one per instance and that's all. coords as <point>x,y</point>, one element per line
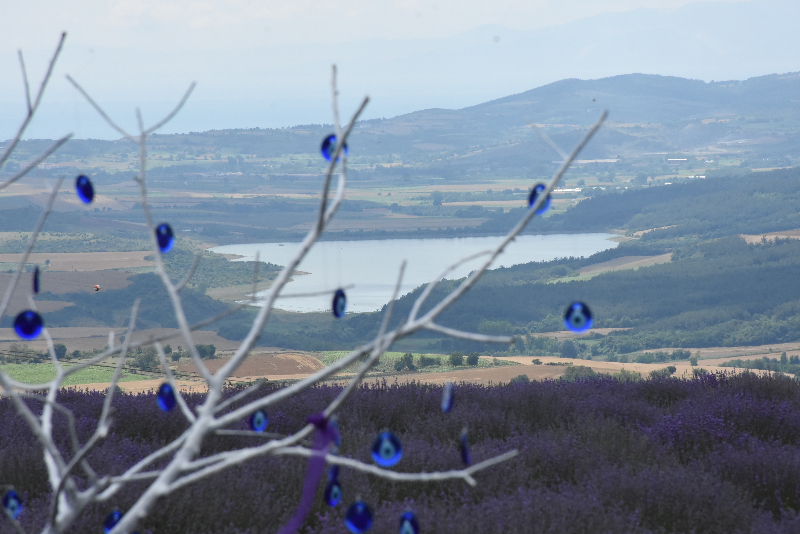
<point>460,334</point>
<point>32,108</point>
<point>437,476</point>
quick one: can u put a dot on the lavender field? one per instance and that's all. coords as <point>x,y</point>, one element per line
<point>716,454</point>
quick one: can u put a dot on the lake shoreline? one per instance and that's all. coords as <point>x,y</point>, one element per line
<point>369,267</point>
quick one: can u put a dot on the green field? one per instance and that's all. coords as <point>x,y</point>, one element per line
<point>37,373</point>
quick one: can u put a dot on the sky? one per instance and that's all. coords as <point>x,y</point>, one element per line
<point>263,63</point>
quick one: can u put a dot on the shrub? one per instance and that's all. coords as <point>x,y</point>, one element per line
<point>577,372</point>
<point>647,357</point>
<point>146,359</point>
<point>61,350</point>
<point>681,354</point>
<point>456,358</point>
<point>407,360</point>
<point>473,359</point>
<point>207,352</point>
<point>429,361</point>
<point>537,361</point>
<point>666,372</point>
<point>520,379</point>
<point>568,349</point>
<point>627,376</point>
<point>693,361</point>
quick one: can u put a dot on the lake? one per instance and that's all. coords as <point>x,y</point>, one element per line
<point>371,267</point>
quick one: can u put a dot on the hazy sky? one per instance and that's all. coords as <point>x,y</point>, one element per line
<point>232,24</point>
<point>266,63</point>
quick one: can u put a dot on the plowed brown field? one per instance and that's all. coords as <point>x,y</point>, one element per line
<point>272,365</point>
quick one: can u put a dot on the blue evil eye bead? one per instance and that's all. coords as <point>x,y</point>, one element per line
<point>166,397</point>
<point>258,421</point>
<point>339,303</point>
<point>28,325</point>
<point>333,472</point>
<point>358,518</point>
<point>334,424</point>
<point>387,449</point>
<point>84,189</point>
<point>578,318</point>
<point>463,442</point>
<point>165,237</point>
<point>36,280</point>
<point>328,146</point>
<point>111,521</point>
<point>447,397</point>
<point>333,493</point>
<point>537,190</point>
<point>409,523</point>
<point>12,504</point>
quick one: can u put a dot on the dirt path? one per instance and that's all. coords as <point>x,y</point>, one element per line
<point>625,262</point>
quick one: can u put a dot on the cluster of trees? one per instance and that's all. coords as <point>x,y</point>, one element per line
<point>456,359</point>
<point>789,365</point>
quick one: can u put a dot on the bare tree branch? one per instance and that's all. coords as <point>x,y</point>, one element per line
<point>33,108</point>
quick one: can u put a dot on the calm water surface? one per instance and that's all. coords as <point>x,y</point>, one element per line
<point>371,267</point>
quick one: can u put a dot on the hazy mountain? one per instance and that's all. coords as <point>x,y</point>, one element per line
<point>284,85</point>
<point>754,118</point>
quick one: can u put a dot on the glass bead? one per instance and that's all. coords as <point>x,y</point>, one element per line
<point>334,424</point>
<point>333,493</point>
<point>259,420</point>
<point>111,521</point>
<point>387,449</point>
<point>578,317</point>
<point>328,146</point>
<point>358,518</point>
<point>447,397</point>
<point>84,189</point>
<point>12,504</point>
<point>166,397</point>
<point>36,280</point>
<point>339,303</point>
<point>28,325</point>
<point>333,472</point>
<point>463,441</point>
<point>409,523</point>
<point>165,237</point>
<point>534,196</point>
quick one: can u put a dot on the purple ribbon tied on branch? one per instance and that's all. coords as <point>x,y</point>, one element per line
<point>326,436</point>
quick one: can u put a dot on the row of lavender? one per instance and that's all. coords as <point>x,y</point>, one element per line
<point>713,454</point>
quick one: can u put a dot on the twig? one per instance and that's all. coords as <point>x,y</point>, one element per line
<point>190,274</point>
<point>33,108</point>
<point>25,82</point>
<point>464,474</point>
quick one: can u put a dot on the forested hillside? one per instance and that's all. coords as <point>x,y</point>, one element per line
<point>750,203</point>
<point>717,290</point>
